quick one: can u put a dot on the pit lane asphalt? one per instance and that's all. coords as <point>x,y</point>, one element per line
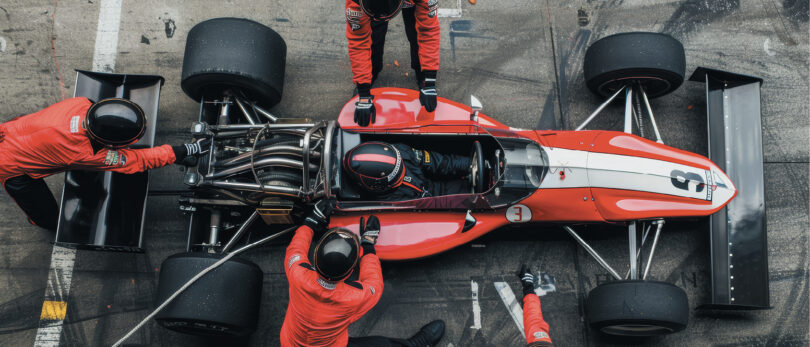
<point>523,59</point>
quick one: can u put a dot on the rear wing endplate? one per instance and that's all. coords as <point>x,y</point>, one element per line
<point>105,210</point>
<point>739,243</point>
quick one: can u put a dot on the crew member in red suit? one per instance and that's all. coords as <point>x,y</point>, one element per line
<point>366,26</point>
<point>534,326</point>
<point>75,134</point>
<point>323,300</point>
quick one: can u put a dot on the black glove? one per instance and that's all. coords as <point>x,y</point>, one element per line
<point>369,231</point>
<point>427,93</point>
<point>527,279</point>
<point>195,148</point>
<point>318,219</point>
<point>364,112</point>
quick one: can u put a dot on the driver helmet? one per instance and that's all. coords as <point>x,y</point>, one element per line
<point>115,122</point>
<point>376,166</point>
<point>336,254</point>
<point>381,10</point>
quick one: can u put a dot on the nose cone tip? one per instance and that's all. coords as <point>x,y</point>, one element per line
<point>724,189</point>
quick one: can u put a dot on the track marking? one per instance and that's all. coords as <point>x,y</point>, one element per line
<point>450,12</point>
<point>476,307</point>
<point>60,274</point>
<point>106,48</point>
<point>54,307</point>
<point>512,305</point>
<point>53,310</point>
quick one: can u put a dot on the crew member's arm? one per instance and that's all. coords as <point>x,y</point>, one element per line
<point>428,34</point>
<point>298,248</point>
<point>370,276</point>
<point>358,32</point>
<point>126,160</point>
<point>534,326</point>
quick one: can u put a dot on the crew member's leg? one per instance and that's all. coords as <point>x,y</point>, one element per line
<point>35,199</point>
<point>378,31</point>
<point>409,18</point>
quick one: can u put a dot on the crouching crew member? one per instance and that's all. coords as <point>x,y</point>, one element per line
<point>323,301</point>
<point>75,134</point>
<point>533,324</point>
<point>366,26</point>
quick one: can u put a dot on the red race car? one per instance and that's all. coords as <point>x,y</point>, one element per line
<point>260,166</point>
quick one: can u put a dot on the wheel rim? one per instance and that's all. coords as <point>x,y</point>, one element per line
<point>636,329</point>
<point>653,86</point>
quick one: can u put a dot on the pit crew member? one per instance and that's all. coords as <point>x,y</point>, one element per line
<point>366,26</point>
<point>324,301</point>
<point>75,134</point>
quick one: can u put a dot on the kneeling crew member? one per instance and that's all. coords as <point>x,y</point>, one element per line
<point>533,324</point>
<point>396,172</point>
<point>75,134</point>
<point>323,302</point>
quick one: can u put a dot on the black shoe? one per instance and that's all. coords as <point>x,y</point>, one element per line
<point>429,335</point>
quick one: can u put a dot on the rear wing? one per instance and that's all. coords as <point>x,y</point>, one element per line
<point>739,243</point>
<point>105,210</point>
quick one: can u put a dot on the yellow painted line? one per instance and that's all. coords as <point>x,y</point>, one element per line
<point>53,310</point>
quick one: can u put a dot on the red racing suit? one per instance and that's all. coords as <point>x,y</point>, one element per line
<point>319,312</point>
<point>358,32</point>
<point>533,324</point>
<point>54,140</point>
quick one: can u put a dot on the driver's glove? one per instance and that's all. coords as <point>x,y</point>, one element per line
<point>364,112</point>
<point>526,279</point>
<point>427,92</point>
<point>369,231</point>
<point>199,147</point>
<point>318,218</point>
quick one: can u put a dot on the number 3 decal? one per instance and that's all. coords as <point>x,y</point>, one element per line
<point>518,214</point>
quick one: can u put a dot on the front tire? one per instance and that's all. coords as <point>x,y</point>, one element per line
<point>637,308</point>
<point>224,302</point>
<point>235,54</point>
<point>656,61</point>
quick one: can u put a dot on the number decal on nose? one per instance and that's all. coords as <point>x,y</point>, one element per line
<point>518,214</point>
<point>681,180</point>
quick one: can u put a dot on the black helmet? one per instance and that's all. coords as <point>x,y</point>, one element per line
<point>115,122</point>
<point>376,166</point>
<point>336,254</point>
<point>381,10</point>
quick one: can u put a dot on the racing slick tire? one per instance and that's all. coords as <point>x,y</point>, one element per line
<point>224,302</point>
<point>637,308</point>
<point>234,54</point>
<point>655,60</point>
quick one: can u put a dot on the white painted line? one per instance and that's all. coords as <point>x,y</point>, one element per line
<point>450,12</point>
<point>109,22</point>
<point>476,307</point>
<point>512,305</point>
<point>59,279</point>
<point>60,273</point>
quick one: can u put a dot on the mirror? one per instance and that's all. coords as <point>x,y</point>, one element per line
<point>475,104</point>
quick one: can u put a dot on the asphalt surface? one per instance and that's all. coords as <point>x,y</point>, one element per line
<point>523,59</point>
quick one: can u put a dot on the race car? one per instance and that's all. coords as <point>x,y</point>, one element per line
<point>261,166</point>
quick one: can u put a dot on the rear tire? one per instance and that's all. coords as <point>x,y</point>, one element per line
<point>224,302</point>
<point>637,308</point>
<point>656,61</point>
<point>234,54</point>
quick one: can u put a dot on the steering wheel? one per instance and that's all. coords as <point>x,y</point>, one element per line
<point>477,168</point>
